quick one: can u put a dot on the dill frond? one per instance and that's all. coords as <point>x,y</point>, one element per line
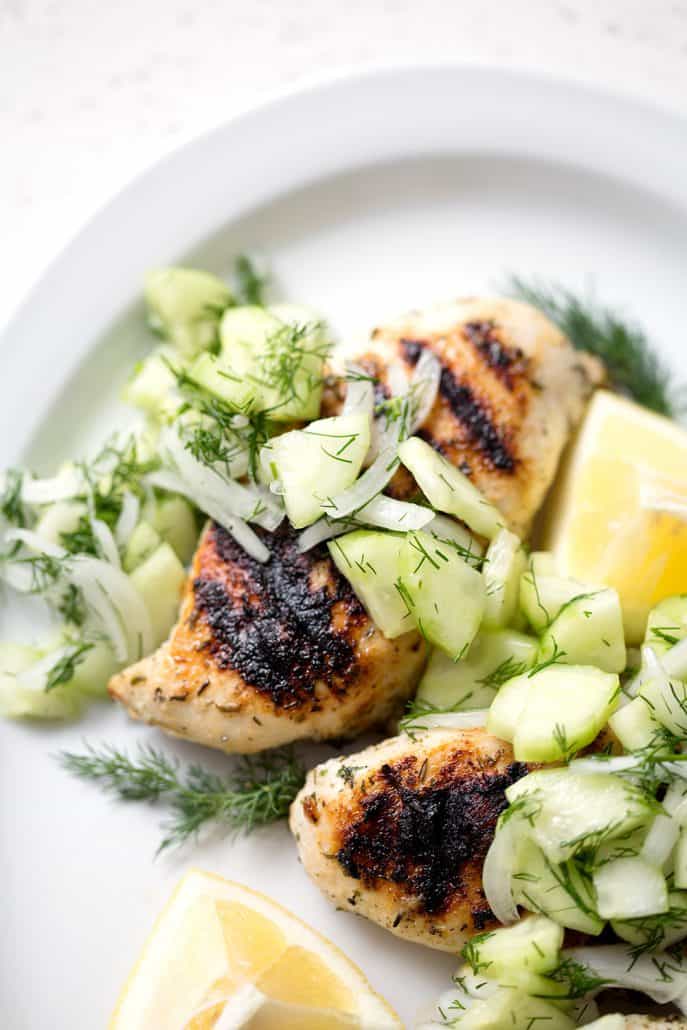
<point>258,791</point>
<point>634,368</point>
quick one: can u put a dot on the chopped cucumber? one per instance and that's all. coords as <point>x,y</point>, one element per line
<point>667,624</point>
<point>142,542</point>
<point>571,810</point>
<point>542,563</point>
<point>471,683</point>
<point>588,630</point>
<point>629,888</point>
<point>186,304</point>
<point>174,519</point>
<point>514,1010</point>
<point>315,463</point>
<point>219,379</point>
<point>159,581</point>
<point>18,701</point>
<point>94,670</point>
<point>59,518</point>
<point>536,985</point>
<point>634,724</point>
<point>680,861</point>
<point>447,489</point>
<point>503,567</point>
<point>369,561</point>
<point>560,892</point>
<point>656,932</point>
<point>565,709</point>
<point>445,595</point>
<point>280,352</point>
<point>451,532</point>
<point>533,944</point>
<point>508,706</point>
<point>152,388</point>
<point>667,700</point>
<point>542,597</point>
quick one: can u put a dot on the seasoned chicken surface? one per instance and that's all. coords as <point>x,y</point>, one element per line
<point>266,654</point>
<point>399,831</point>
<point>512,389</point>
<point>263,655</point>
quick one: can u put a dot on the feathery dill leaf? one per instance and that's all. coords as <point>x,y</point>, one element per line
<point>65,667</point>
<point>258,791</point>
<point>633,366</point>
<point>249,285</point>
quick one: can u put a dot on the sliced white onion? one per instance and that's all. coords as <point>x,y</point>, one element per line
<point>497,873</point>
<point>627,764</point>
<point>323,529</point>
<point>450,720</point>
<point>367,486</point>
<point>106,542</point>
<point>360,394</point>
<point>66,484</point>
<point>128,517</point>
<point>425,386</point>
<point>662,977</point>
<point>114,601</point>
<point>396,379</point>
<point>388,513</point>
<point>35,542</point>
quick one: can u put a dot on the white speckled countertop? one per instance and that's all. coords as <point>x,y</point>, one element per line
<point>92,92</point>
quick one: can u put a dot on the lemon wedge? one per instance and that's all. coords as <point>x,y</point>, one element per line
<point>618,514</point>
<point>223,956</point>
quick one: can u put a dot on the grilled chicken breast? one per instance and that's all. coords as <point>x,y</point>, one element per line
<point>399,831</point>
<point>512,389</point>
<point>265,654</point>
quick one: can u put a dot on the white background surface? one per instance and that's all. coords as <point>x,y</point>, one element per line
<point>91,92</point>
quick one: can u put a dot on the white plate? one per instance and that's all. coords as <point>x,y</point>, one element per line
<point>371,195</point>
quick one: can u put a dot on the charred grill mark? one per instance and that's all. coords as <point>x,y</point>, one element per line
<point>475,418</point>
<point>505,362</point>
<point>271,626</point>
<point>412,349</point>
<point>428,838</point>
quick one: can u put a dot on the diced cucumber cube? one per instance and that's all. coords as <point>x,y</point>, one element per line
<point>152,388</point>
<point>667,700</point>
<point>507,707</point>
<point>573,810</point>
<point>451,532</point>
<point>629,888</point>
<point>315,463</point>
<point>175,521</point>
<point>667,624</point>
<point>514,1010</point>
<point>504,565</point>
<point>537,985</point>
<point>280,352</point>
<point>560,892</point>
<point>588,631</point>
<point>187,305</point>
<point>369,561</point>
<point>656,932</point>
<point>634,724</point>
<point>21,702</point>
<point>142,542</point>
<point>533,944</point>
<point>542,563</point>
<point>680,861</point>
<point>94,670</point>
<point>445,595</point>
<point>565,709</point>
<point>159,581</point>
<point>542,597</point>
<point>447,489</point>
<point>60,518</point>
<point>494,656</point>
<point>217,377</point>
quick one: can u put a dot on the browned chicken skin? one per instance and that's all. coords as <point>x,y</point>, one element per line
<point>265,654</point>
<point>399,831</point>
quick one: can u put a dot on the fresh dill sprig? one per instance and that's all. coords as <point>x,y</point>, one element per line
<point>10,500</point>
<point>633,366</point>
<point>507,670</point>
<point>258,791</point>
<point>416,709</point>
<point>249,285</point>
<point>578,978</point>
<point>556,657</point>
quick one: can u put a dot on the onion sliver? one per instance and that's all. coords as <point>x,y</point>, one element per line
<point>388,513</point>
<point>449,720</point>
<point>35,542</point>
<point>360,394</point>
<point>106,542</point>
<point>323,529</point>
<point>128,517</point>
<point>664,981</point>
<point>425,386</point>
<point>113,599</point>
<point>497,873</point>
<point>61,487</point>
